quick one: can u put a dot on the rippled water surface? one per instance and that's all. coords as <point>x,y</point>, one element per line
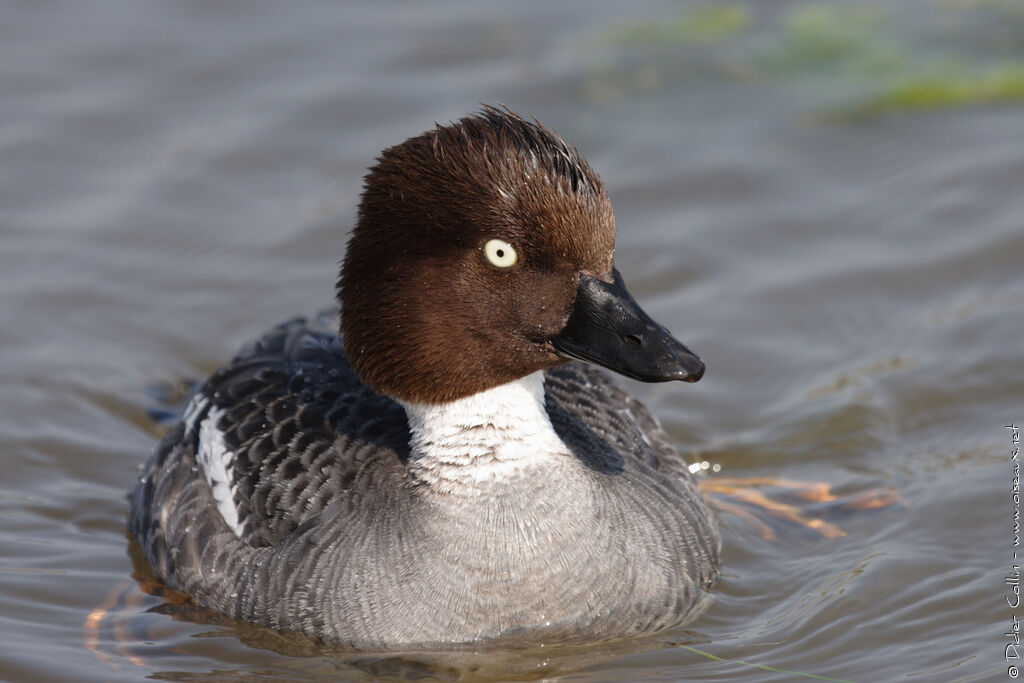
<point>823,199</point>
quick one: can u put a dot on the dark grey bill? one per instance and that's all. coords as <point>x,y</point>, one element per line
<point>609,328</point>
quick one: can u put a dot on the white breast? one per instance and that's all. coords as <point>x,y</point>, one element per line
<point>489,436</point>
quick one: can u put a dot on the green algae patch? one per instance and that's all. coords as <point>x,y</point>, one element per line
<point>999,85</point>
<point>812,35</point>
<point>701,25</point>
<point>941,91</point>
<point>832,61</point>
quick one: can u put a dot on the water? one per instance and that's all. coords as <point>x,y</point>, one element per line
<point>822,199</point>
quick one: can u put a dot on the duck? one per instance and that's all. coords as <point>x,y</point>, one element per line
<point>441,461</point>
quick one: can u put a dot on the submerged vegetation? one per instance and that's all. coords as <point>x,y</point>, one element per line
<point>702,25</point>
<point>844,61</point>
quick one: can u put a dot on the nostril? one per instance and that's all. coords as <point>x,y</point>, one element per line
<point>633,340</point>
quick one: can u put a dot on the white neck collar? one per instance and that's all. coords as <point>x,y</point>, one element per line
<point>461,446</point>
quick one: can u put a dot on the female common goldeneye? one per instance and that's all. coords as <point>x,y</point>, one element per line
<point>440,474</point>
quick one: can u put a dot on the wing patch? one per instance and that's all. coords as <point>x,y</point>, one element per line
<point>217,462</point>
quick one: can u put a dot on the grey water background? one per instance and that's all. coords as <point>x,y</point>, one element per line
<point>823,199</point>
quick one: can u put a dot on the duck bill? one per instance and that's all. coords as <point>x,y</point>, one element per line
<point>608,327</point>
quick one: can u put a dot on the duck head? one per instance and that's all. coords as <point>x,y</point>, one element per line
<point>483,252</point>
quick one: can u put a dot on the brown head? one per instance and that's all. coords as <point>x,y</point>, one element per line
<point>473,245</point>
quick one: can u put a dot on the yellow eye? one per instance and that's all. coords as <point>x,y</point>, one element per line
<point>500,253</point>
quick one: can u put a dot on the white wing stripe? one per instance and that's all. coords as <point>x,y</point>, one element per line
<point>215,459</point>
